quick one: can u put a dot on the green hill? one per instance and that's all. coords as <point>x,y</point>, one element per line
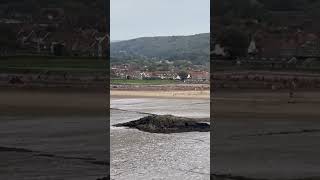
<point>74,13</point>
<point>194,48</point>
<point>260,8</point>
<point>71,7</point>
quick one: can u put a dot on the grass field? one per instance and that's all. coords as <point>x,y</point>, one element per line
<point>229,65</point>
<point>137,81</point>
<point>56,64</point>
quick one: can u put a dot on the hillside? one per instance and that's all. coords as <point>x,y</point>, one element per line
<point>274,25</point>
<point>73,8</point>
<point>260,9</point>
<point>194,48</point>
<point>67,12</point>
<point>53,27</point>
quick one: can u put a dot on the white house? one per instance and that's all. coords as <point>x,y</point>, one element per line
<point>218,50</point>
<point>252,47</point>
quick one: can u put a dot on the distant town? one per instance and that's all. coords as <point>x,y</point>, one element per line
<point>285,39</point>
<point>52,32</point>
<point>128,71</point>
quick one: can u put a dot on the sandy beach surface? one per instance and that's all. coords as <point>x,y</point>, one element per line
<point>62,134</point>
<point>259,135</point>
<point>262,104</point>
<point>47,134</point>
<point>51,101</point>
<point>141,155</point>
<point>186,94</point>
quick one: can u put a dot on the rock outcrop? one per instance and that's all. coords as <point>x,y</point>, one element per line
<point>167,124</point>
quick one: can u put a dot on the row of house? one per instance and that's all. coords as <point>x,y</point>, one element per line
<point>125,72</point>
<point>276,45</point>
<point>295,44</point>
<point>80,42</point>
<point>52,33</point>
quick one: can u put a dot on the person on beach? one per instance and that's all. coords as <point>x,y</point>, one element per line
<point>292,89</point>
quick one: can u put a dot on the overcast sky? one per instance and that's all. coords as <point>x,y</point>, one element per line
<point>138,18</point>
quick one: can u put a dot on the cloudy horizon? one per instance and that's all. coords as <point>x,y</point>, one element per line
<point>132,19</point>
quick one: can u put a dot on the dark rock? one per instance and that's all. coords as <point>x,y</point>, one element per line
<point>9,149</point>
<point>104,178</point>
<point>167,124</point>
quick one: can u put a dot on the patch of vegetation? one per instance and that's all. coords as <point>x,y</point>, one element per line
<point>193,48</point>
<point>235,41</point>
<point>167,124</point>
<point>276,65</point>
<point>72,16</point>
<point>51,63</point>
<point>138,81</point>
<point>71,7</point>
<point>258,9</point>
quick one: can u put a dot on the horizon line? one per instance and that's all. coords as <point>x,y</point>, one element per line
<point>117,40</point>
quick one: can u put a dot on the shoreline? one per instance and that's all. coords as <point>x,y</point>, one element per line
<point>177,94</point>
<point>257,105</point>
<point>264,105</point>
<point>243,105</point>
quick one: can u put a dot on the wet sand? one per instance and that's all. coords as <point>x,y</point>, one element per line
<point>260,135</point>
<point>266,104</point>
<point>141,155</point>
<point>51,101</point>
<point>257,134</point>
<point>48,134</point>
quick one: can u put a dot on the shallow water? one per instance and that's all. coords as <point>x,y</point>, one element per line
<point>141,155</point>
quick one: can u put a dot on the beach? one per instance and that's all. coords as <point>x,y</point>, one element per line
<point>48,100</point>
<point>141,155</point>
<point>259,104</point>
<point>53,134</point>
<point>65,132</point>
<point>259,135</point>
<point>187,94</point>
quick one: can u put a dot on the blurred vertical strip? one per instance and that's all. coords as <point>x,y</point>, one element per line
<point>107,17</point>
<point>211,91</point>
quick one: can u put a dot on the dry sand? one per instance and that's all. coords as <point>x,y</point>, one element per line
<point>50,101</point>
<point>259,135</point>
<point>61,129</point>
<point>265,104</point>
<point>258,104</point>
<point>238,104</point>
<point>44,101</point>
<point>160,94</point>
<point>236,114</point>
